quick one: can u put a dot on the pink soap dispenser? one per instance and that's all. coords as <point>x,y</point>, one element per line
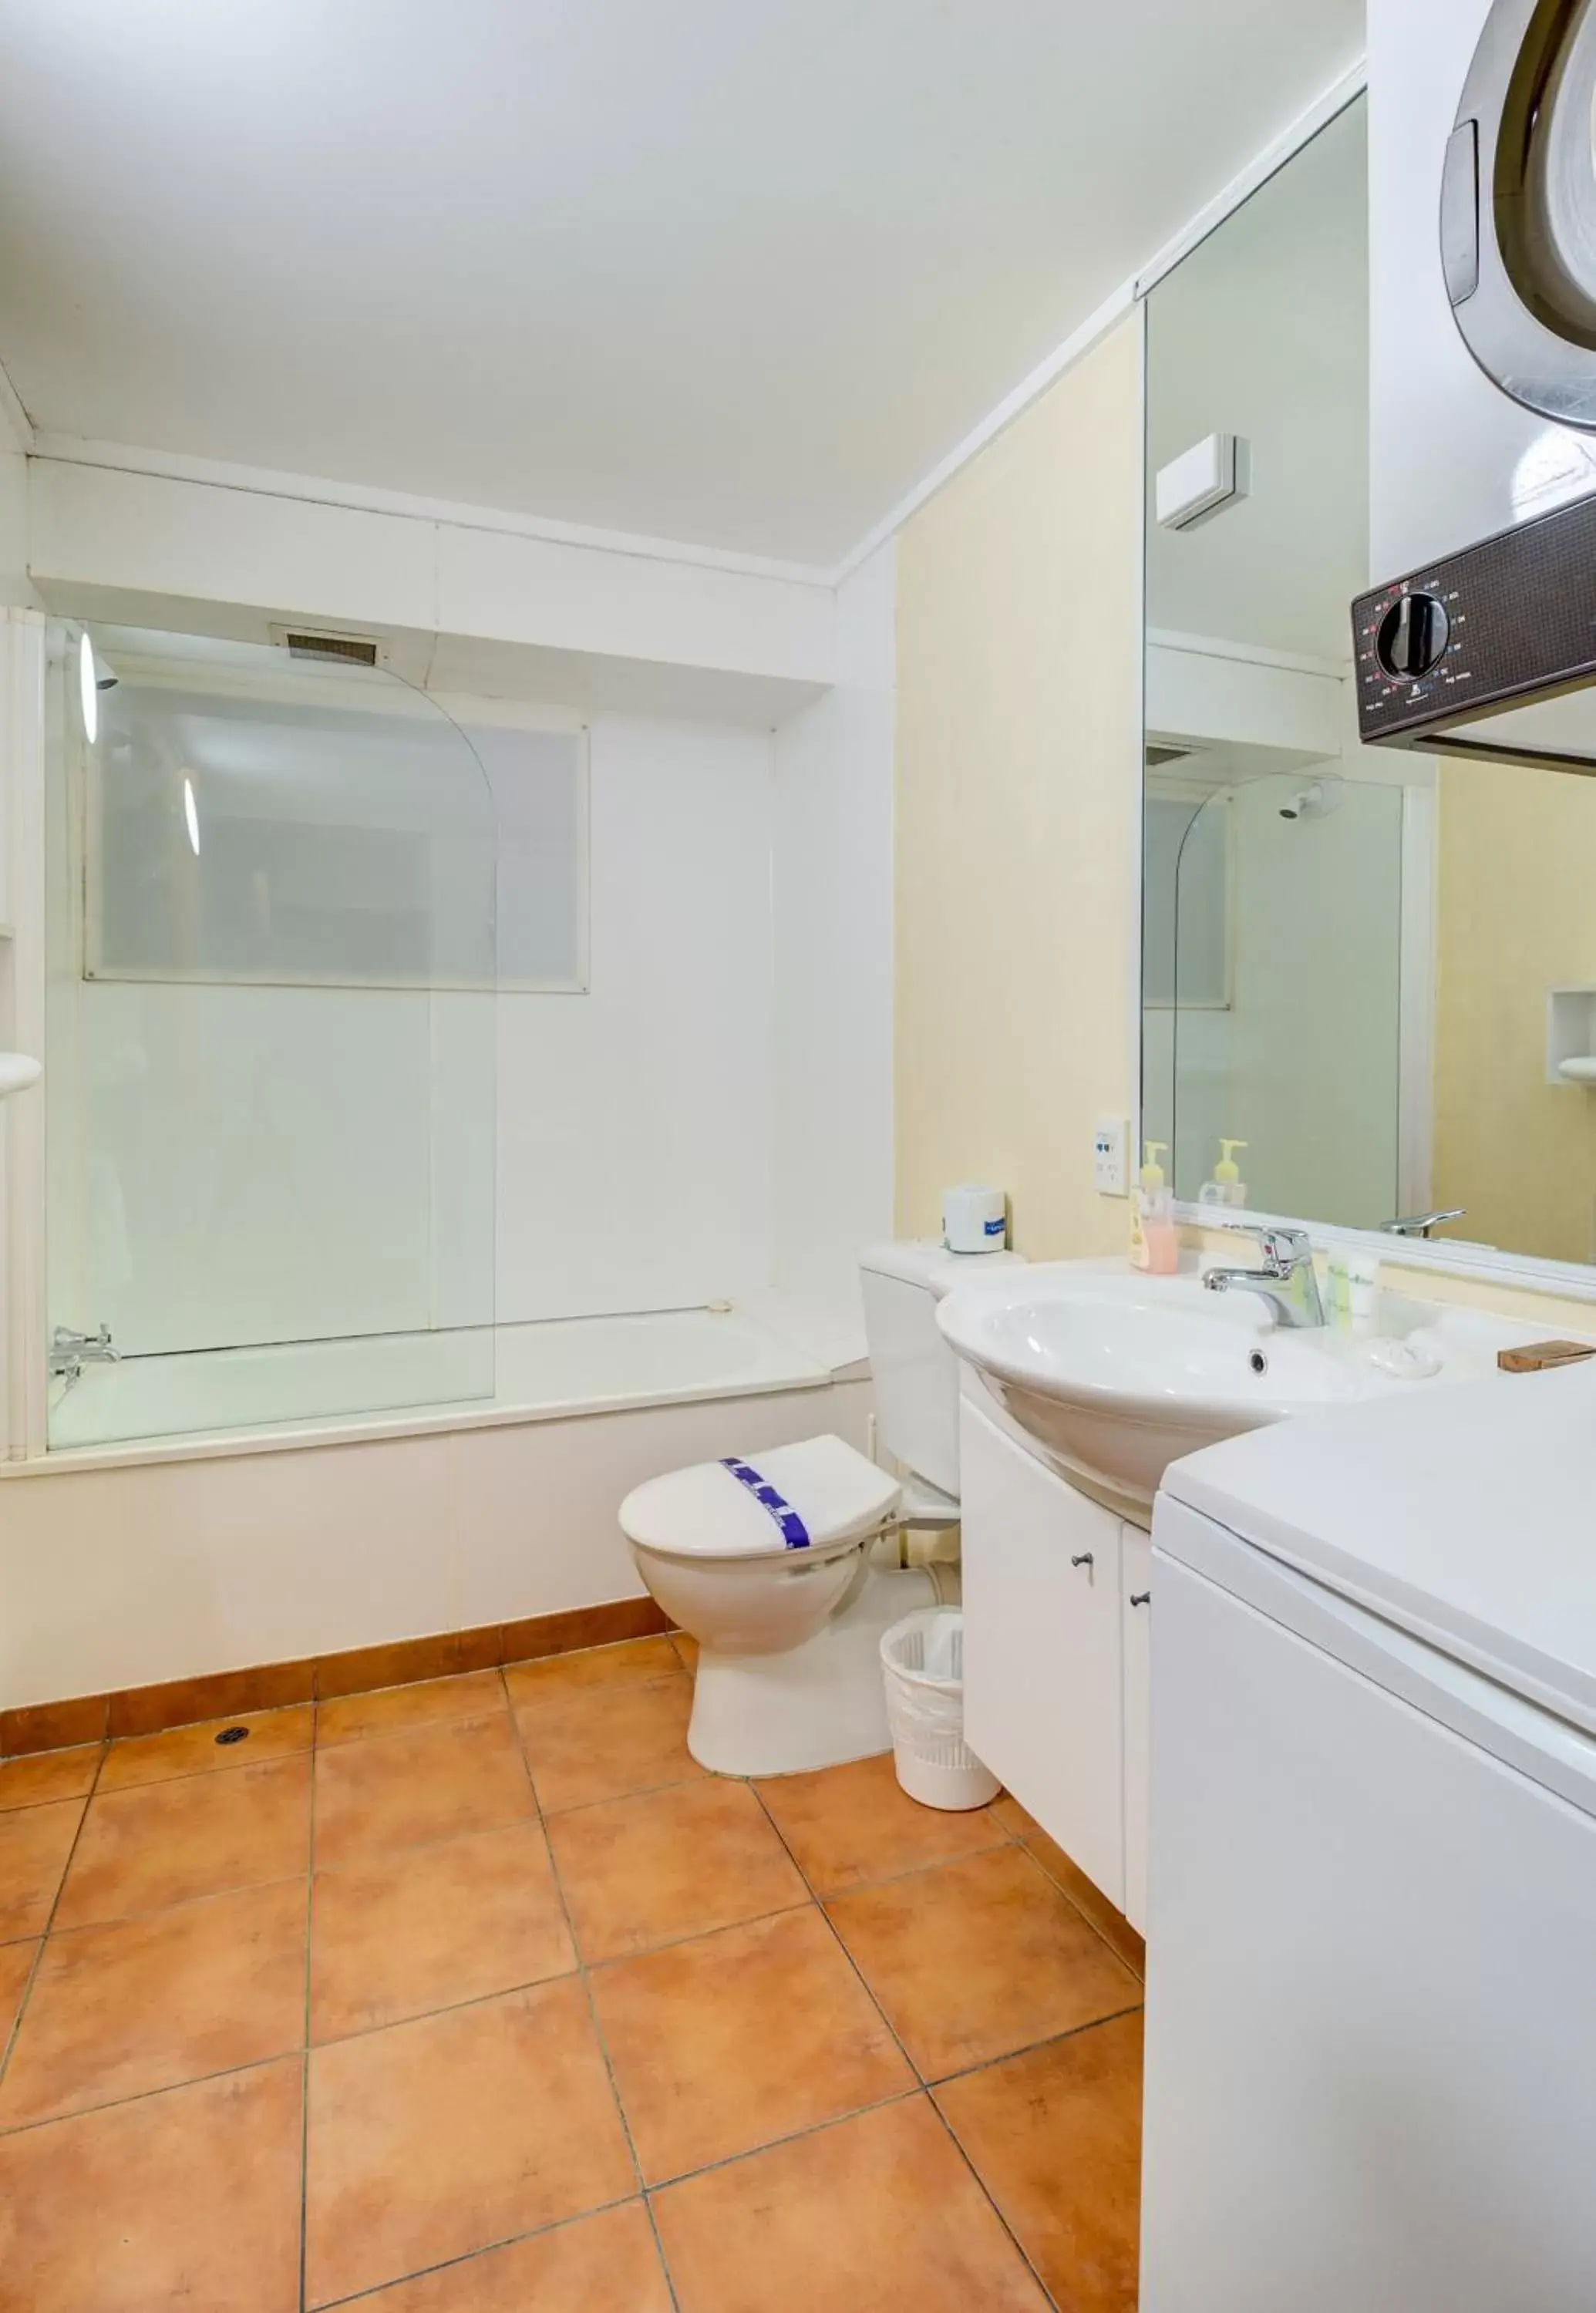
<point>1155,1232</point>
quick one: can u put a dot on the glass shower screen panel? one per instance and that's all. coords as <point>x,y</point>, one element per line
<point>1287,995</point>
<point>273,964</point>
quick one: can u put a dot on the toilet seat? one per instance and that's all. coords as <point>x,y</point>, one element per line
<point>807,1501</point>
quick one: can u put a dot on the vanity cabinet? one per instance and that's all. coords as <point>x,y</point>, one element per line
<point>1055,1654</point>
<point>1043,1683</point>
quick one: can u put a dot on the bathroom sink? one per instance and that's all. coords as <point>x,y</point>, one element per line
<point>1114,1375</point>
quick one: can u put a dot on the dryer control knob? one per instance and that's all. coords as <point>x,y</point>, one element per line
<point>1412,638</point>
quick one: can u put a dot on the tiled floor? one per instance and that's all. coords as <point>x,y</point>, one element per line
<point>480,1996</point>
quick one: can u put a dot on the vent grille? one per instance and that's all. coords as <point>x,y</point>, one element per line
<point>342,650</point>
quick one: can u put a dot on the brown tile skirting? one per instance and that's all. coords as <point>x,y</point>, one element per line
<point>178,1702</point>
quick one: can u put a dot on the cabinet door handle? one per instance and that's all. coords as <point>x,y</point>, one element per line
<point>1085,1559</point>
<point>1140,1597</point>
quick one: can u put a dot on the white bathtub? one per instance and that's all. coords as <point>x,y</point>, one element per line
<point>395,1382</point>
<point>201,1545</point>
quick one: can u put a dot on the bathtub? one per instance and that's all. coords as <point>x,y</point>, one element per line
<point>397,1383</point>
<point>218,1516</point>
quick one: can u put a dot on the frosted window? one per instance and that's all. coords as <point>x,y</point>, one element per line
<point>342,835</point>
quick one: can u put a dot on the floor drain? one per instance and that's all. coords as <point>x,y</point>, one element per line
<point>234,1735</point>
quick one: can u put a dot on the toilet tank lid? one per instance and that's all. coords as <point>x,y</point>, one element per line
<point>931,1267</point>
<point>715,1509</point>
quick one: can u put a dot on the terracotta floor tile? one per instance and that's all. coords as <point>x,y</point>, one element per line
<point>980,1958</point>
<point>1006,1810</point>
<point>636,1662</point>
<point>686,1646</point>
<point>429,1702</point>
<point>17,1964</point>
<point>1111,1925</point>
<point>146,2004</point>
<point>35,1842</point>
<point>186,2199</point>
<point>848,1825</point>
<point>427,1927</point>
<point>879,2213</point>
<point>46,1775</point>
<point>727,2043</point>
<point>435,2138</point>
<point>607,2264</point>
<point>1055,2136</point>
<point>677,1863</point>
<point>195,1751</point>
<point>604,1742</point>
<point>430,1782</point>
<point>197,1835</point>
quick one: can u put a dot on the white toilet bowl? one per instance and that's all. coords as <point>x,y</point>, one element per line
<point>767,1562</point>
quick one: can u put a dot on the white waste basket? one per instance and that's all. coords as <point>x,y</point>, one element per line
<point>923,1660</point>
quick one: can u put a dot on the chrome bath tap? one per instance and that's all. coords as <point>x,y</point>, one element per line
<point>1287,1281</point>
<point>70,1352</point>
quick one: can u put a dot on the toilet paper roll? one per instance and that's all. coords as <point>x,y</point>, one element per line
<point>973,1218</point>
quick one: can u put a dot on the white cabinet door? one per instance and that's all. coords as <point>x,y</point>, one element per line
<point>1041,1645</point>
<point>1135,1563</point>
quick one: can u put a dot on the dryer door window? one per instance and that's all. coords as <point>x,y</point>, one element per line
<point>1518,208</point>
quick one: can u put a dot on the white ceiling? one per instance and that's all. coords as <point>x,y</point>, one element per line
<point>733,272</point>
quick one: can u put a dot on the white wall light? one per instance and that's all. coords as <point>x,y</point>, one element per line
<point>1210,474</point>
<point>190,814</point>
<point>88,689</point>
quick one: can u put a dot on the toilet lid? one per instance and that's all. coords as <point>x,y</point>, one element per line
<point>794,1498</point>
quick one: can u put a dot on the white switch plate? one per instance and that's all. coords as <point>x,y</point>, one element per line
<point>1111,1136</point>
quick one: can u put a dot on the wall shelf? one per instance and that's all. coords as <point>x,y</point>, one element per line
<point>1571,1036</point>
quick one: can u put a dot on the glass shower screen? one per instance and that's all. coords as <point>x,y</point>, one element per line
<point>271,1092</point>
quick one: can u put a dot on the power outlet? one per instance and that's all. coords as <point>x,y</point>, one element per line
<point>1111,1140</point>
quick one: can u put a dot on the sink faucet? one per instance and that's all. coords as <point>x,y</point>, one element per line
<point>1288,1265</point>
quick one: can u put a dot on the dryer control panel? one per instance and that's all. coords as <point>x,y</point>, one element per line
<point>1501,624</point>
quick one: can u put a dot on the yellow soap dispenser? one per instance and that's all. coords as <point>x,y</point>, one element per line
<point>1227,1174</point>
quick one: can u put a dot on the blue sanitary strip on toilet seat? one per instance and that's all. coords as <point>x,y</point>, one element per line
<point>795,1533</point>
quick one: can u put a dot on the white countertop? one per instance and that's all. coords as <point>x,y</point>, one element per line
<point>1468,1516</point>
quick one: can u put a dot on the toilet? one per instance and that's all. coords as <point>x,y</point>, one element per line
<point>770,1559</point>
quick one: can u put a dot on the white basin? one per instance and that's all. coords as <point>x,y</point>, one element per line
<point>1114,1375</point>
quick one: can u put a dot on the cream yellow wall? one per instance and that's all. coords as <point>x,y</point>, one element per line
<point>1516,886</point>
<point>1018,868</point>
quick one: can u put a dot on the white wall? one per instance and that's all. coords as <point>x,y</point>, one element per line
<point>102,540</point>
<point>635,1122</point>
<point>832,886</point>
<point>15,587</point>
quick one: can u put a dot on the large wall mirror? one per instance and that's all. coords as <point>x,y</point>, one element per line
<point>1370,967</point>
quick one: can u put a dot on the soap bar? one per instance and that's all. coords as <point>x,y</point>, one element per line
<point>1539,1356</point>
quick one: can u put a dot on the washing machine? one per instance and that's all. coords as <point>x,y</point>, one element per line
<point>1371,2081</point>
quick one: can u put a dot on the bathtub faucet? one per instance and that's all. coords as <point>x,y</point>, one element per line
<point>70,1352</point>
